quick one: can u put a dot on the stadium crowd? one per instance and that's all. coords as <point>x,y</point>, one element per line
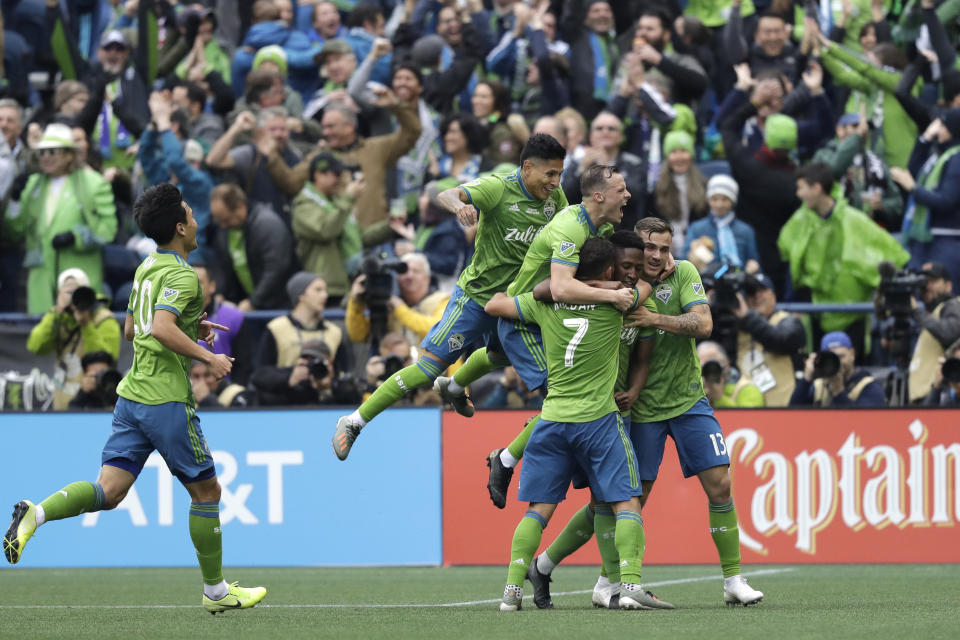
<point>801,152</point>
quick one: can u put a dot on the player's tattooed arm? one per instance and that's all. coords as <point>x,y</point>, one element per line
<point>695,323</point>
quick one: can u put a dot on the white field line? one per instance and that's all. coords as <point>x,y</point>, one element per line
<point>467,603</point>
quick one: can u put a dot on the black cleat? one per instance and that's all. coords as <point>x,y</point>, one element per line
<point>499,480</point>
<point>541,586</point>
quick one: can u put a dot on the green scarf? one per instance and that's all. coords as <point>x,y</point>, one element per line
<point>236,242</point>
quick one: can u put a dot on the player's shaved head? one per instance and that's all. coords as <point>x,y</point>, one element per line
<point>596,256</point>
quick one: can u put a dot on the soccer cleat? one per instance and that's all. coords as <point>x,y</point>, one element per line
<point>461,402</point>
<point>606,595</point>
<point>237,598</point>
<point>21,529</point>
<point>499,480</point>
<point>541,586</point>
<point>737,592</point>
<point>633,596</point>
<point>512,598</point>
<point>343,438</point>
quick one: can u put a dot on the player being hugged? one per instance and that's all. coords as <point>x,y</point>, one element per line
<point>156,408</point>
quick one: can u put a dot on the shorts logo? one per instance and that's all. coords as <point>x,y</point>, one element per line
<point>698,288</point>
<point>566,248</point>
<point>549,209</point>
<point>169,295</point>
<point>663,293</point>
<point>455,342</point>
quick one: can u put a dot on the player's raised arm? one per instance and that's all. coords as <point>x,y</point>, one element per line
<point>695,323</point>
<point>167,333</point>
<point>564,287</point>
<point>502,306</point>
<point>456,201</point>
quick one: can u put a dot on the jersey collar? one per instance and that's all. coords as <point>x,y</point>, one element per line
<point>583,210</point>
<point>523,187</point>
<point>174,254</point>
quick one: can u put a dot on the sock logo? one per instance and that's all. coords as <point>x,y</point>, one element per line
<point>624,563</point>
<point>63,492</point>
<point>519,561</point>
<point>718,529</point>
<point>400,382</point>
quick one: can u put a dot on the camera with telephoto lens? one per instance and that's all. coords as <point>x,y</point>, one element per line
<point>379,289</point>
<point>951,370</point>
<point>318,368</point>
<point>725,284</point>
<point>106,389</point>
<point>83,299</point>
<point>897,290</point>
<point>826,364</point>
<point>712,372</point>
<point>391,365</point>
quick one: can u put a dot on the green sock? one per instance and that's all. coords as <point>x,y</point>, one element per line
<point>573,536</point>
<point>205,533</point>
<point>726,537</point>
<point>630,545</point>
<point>479,364</point>
<point>420,374</point>
<point>526,540</point>
<point>72,500</point>
<point>604,526</point>
<point>520,442</point>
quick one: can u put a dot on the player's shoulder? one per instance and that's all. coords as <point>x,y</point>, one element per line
<point>686,270</point>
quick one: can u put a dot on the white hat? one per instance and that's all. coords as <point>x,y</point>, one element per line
<point>723,185</point>
<point>77,274</point>
<point>56,136</point>
<point>192,151</point>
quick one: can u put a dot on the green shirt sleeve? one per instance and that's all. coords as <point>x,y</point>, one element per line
<point>528,308</point>
<point>648,333</point>
<point>484,193</point>
<point>691,287</point>
<point>565,248</point>
<point>177,289</point>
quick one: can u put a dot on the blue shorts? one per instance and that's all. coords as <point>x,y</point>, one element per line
<point>580,479</point>
<point>523,345</point>
<point>464,323</point>
<point>171,428</point>
<point>600,448</point>
<point>696,433</point>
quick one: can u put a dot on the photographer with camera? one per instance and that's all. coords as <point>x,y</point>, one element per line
<point>830,380</point>
<point>79,323</point>
<point>766,341</point>
<point>281,344</point>
<point>98,388</point>
<point>412,313</point>
<point>939,324</point>
<point>723,387</point>
<point>395,353</point>
<point>307,381</point>
<point>945,391</point>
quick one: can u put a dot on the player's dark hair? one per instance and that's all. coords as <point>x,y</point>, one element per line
<point>471,128</point>
<point>596,255</point>
<point>364,12</point>
<point>595,177</point>
<point>97,356</point>
<point>158,210</point>
<point>652,224</point>
<point>816,173</point>
<point>542,146</point>
<point>626,239</point>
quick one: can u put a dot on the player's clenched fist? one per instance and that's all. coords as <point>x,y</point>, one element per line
<point>221,365</point>
<point>623,299</point>
<point>467,215</point>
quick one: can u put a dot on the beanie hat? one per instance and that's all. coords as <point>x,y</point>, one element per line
<point>723,185</point>
<point>677,140</point>
<point>192,151</point>
<point>780,132</point>
<point>298,283</point>
<point>272,53</point>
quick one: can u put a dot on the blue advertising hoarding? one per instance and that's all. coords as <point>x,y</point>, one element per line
<point>287,500</point>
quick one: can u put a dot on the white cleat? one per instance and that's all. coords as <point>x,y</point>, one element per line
<point>606,594</point>
<point>634,596</point>
<point>512,598</point>
<point>737,592</point>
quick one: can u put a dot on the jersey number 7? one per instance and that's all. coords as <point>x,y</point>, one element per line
<point>581,325</point>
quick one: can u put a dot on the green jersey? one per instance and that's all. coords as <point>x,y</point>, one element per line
<point>628,338</point>
<point>674,384</point>
<point>510,218</point>
<point>163,280</point>
<point>559,241</point>
<point>581,343</point>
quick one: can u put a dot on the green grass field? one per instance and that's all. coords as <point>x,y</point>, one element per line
<point>845,601</point>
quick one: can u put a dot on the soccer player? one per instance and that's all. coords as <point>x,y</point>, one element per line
<point>510,210</point>
<point>673,402</point>
<point>553,254</point>
<point>580,426</point>
<point>156,409</point>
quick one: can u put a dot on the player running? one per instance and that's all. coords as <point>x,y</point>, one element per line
<point>580,427</point>
<point>156,408</point>
<point>510,211</point>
